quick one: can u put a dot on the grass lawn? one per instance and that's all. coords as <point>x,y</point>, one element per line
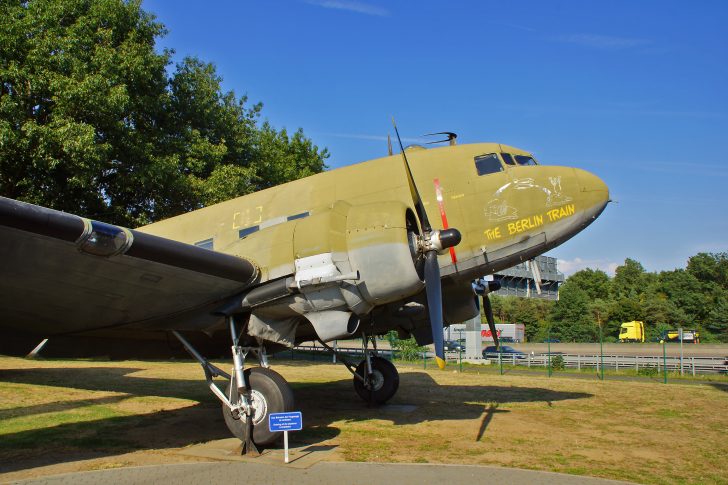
<point>58,416</point>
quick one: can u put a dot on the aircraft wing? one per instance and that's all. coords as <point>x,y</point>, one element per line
<point>61,273</point>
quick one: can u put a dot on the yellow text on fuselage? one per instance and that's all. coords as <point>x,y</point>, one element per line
<point>525,224</point>
<point>561,212</point>
<point>532,222</point>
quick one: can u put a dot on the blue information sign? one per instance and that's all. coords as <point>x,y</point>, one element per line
<point>285,421</point>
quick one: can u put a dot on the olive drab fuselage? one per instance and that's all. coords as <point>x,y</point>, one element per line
<point>359,220</point>
<point>493,212</point>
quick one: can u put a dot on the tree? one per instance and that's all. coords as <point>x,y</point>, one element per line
<point>570,317</point>
<point>599,310</point>
<point>81,87</point>
<point>710,267</point>
<point>692,298</point>
<point>660,313</point>
<point>717,323</point>
<point>629,280</point>
<point>687,293</point>
<point>526,312</point>
<point>625,310</point>
<point>594,282</point>
<point>91,123</point>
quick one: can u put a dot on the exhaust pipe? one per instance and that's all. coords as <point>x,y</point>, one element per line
<point>333,324</point>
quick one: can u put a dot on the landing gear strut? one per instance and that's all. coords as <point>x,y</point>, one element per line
<point>251,395</point>
<point>376,379</point>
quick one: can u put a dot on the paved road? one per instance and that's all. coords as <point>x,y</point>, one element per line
<point>321,473</point>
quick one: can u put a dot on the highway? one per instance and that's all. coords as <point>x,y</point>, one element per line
<point>696,359</point>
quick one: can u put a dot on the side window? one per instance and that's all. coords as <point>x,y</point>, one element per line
<point>206,244</point>
<point>486,164</point>
<point>508,158</point>
<point>247,231</point>
<point>525,160</point>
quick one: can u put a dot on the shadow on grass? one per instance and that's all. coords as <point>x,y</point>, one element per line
<point>419,399</point>
<point>720,386</point>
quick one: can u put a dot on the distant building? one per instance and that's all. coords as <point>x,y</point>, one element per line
<point>518,280</point>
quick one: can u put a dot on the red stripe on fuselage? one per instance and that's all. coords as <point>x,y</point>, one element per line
<point>441,205</point>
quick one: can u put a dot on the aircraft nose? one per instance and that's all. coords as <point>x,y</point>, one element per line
<point>590,182</point>
<point>594,191</point>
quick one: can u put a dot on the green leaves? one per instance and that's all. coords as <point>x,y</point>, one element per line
<point>91,123</point>
<point>692,298</point>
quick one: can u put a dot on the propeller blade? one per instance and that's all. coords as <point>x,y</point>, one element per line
<point>419,206</point>
<point>434,304</point>
<point>491,321</point>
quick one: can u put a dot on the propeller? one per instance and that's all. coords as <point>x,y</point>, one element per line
<point>482,288</point>
<point>430,244</point>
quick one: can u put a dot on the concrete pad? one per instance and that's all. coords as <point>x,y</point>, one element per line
<point>300,456</point>
<point>322,473</point>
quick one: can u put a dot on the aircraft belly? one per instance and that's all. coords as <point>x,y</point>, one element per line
<point>524,244</point>
<point>50,287</point>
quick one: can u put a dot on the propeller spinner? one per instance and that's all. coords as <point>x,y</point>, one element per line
<point>431,243</point>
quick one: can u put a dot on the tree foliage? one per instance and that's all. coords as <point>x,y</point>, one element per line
<point>695,297</point>
<point>571,318</point>
<point>92,123</point>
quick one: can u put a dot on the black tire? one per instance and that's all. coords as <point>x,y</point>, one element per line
<point>271,394</point>
<point>385,377</point>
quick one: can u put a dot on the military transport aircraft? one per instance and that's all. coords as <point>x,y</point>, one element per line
<point>346,253</point>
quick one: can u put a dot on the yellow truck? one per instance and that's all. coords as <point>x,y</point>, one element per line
<point>689,336</point>
<point>633,331</point>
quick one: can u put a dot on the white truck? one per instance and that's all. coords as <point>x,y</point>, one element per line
<point>507,332</point>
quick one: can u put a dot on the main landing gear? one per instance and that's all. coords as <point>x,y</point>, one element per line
<point>251,394</point>
<point>376,379</point>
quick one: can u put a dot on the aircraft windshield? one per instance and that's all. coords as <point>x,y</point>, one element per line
<point>508,158</point>
<point>525,160</point>
<point>486,164</point>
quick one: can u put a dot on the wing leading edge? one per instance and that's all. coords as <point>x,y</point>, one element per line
<point>62,273</point>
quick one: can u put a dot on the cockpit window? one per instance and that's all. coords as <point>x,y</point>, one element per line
<point>525,160</point>
<point>508,158</point>
<point>486,164</point>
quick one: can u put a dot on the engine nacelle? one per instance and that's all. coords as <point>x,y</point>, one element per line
<point>381,246</point>
<point>346,260</point>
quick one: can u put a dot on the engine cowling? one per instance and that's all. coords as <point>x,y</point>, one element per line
<point>381,245</point>
<point>346,260</point>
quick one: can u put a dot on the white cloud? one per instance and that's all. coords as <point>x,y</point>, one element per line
<point>569,267</point>
<point>351,6</point>
<point>605,42</point>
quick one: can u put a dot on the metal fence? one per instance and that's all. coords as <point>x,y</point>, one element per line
<point>612,362</point>
<point>686,365</point>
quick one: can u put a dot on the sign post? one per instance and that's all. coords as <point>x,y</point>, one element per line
<point>680,334</point>
<point>291,421</point>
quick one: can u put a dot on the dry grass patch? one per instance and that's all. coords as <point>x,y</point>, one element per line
<point>134,412</point>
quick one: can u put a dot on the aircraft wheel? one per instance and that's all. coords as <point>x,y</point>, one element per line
<point>385,380</point>
<point>270,394</point>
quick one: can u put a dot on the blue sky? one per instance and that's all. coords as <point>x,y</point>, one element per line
<point>632,90</point>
